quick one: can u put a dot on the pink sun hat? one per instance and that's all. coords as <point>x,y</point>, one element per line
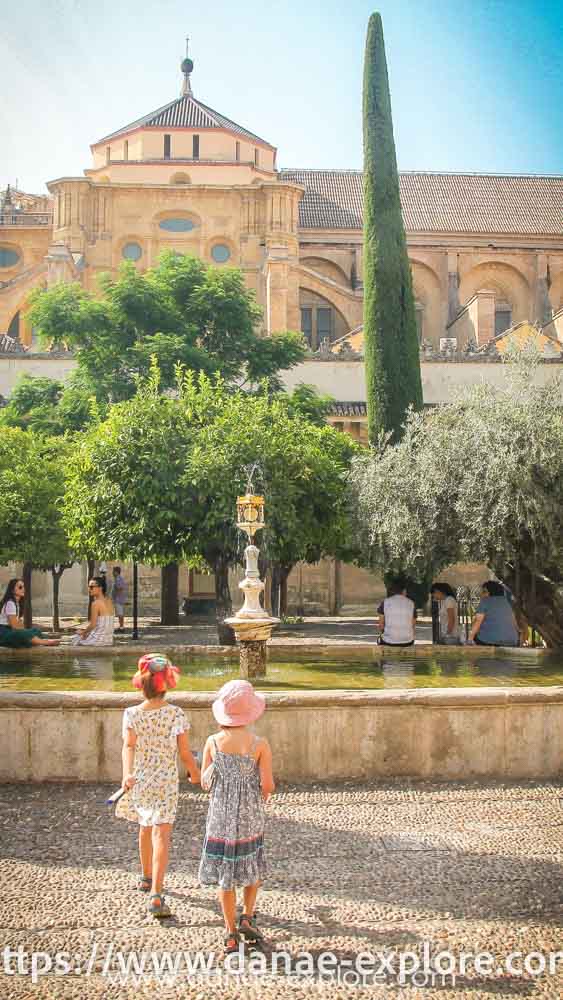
<point>238,704</point>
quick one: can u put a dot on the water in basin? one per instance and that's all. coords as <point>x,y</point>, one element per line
<point>107,673</point>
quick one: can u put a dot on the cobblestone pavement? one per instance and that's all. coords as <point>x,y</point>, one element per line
<point>354,868</point>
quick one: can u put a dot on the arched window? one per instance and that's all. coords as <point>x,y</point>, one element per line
<point>180,178</point>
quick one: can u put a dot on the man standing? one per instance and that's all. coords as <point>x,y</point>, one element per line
<point>119,596</point>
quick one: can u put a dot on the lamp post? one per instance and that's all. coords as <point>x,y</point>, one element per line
<point>252,624</point>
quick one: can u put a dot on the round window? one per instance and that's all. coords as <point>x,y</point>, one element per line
<point>8,258</point>
<point>132,251</point>
<point>177,225</point>
<point>220,253</point>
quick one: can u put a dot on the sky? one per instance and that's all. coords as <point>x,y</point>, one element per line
<point>476,85</point>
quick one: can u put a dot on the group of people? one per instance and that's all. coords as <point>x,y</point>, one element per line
<point>98,630</point>
<point>236,769</point>
<point>494,622</point>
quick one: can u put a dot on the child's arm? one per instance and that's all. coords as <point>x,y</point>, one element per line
<point>128,756</point>
<point>264,760</point>
<point>188,758</point>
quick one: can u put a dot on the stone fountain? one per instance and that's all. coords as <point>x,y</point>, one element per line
<point>252,624</point>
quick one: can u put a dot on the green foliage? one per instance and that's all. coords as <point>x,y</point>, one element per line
<point>305,401</point>
<point>480,479</point>
<point>157,481</point>
<point>47,406</point>
<point>390,333</point>
<point>181,311</point>
<point>31,491</point>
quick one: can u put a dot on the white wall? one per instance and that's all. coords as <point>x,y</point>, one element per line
<point>345,380</point>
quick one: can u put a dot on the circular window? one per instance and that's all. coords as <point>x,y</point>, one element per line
<point>8,257</point>
<point>177,225</point>
<point>132,251</point>
<point>220,253</point>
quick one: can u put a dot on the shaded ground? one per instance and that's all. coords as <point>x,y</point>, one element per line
<point>354,868</point>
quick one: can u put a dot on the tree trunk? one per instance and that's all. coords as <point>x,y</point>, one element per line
<point>223,603</point>
<point>263,564</point>
<point>280,574</point>
<point>276,588</point>
<point>56,575</point>
<point>91,571</point>
<point>27,570</point>
<point>283,591</point>
<point>169,610</point>
<point>540,597</point>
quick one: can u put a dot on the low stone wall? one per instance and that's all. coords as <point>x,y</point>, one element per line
<point>455,734</point>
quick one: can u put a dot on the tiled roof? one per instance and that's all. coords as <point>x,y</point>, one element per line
<point>462,203</point>
<point>186,112</point>
<point>348,409</point>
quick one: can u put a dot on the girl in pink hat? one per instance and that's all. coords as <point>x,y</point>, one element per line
<point>154,733</point>
<point>237,769</point>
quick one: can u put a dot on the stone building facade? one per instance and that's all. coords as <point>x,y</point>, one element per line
<point>486,254</point>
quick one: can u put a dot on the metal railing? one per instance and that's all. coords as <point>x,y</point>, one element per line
<point>26,218</point>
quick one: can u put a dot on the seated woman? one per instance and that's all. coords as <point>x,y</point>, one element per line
<point>398,617</point>
<point>12,630</point>
<point>449,626</point>
<point>99,630</point>
<point>494,623</point>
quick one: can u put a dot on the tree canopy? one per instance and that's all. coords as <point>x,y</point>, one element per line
<point>157,481</point>
<point>479,479</point>
<point>31,491</point>
<point>390,333</point>
<point>181,311</point>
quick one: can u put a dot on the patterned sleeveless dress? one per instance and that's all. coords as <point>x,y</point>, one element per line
<point>233,849</point>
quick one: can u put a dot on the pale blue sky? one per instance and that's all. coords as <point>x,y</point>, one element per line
<point>476,85</point>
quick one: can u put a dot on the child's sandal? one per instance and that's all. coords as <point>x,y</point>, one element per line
<point>158,907</point>
<point>248,928</point>
<point>232,942</point>
<point>145,883</point>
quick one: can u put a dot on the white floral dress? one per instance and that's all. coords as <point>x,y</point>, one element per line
<point>153,799</point>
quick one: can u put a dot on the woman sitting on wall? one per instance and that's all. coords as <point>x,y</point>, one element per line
<point>445,595</point>
<point>99,630</point>
<point>494,623</point>
<point>12,630</point>
<point>397,617</point>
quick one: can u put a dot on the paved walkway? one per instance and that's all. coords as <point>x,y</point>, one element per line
<point>203,632</point>
<point>354,868</point>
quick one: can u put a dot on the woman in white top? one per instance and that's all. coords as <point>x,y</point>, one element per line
<point>99,630</point>
<point>398,617</point>
<point>12,630</point>
<point>449,627</point>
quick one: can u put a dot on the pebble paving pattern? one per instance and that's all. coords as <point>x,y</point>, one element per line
<point>355,868</point>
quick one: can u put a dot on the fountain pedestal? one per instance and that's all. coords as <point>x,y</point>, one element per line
<point>252,625</point>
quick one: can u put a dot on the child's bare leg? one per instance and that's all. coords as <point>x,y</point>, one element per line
<point>228,900</point>
<point>145,850</point>
<point>250,892</point>
<point>160,849</point>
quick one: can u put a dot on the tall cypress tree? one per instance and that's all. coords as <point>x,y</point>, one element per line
<point>390,333</point>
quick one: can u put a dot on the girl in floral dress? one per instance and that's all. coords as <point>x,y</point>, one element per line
<point>154,733</point>
<point>237,768</point>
